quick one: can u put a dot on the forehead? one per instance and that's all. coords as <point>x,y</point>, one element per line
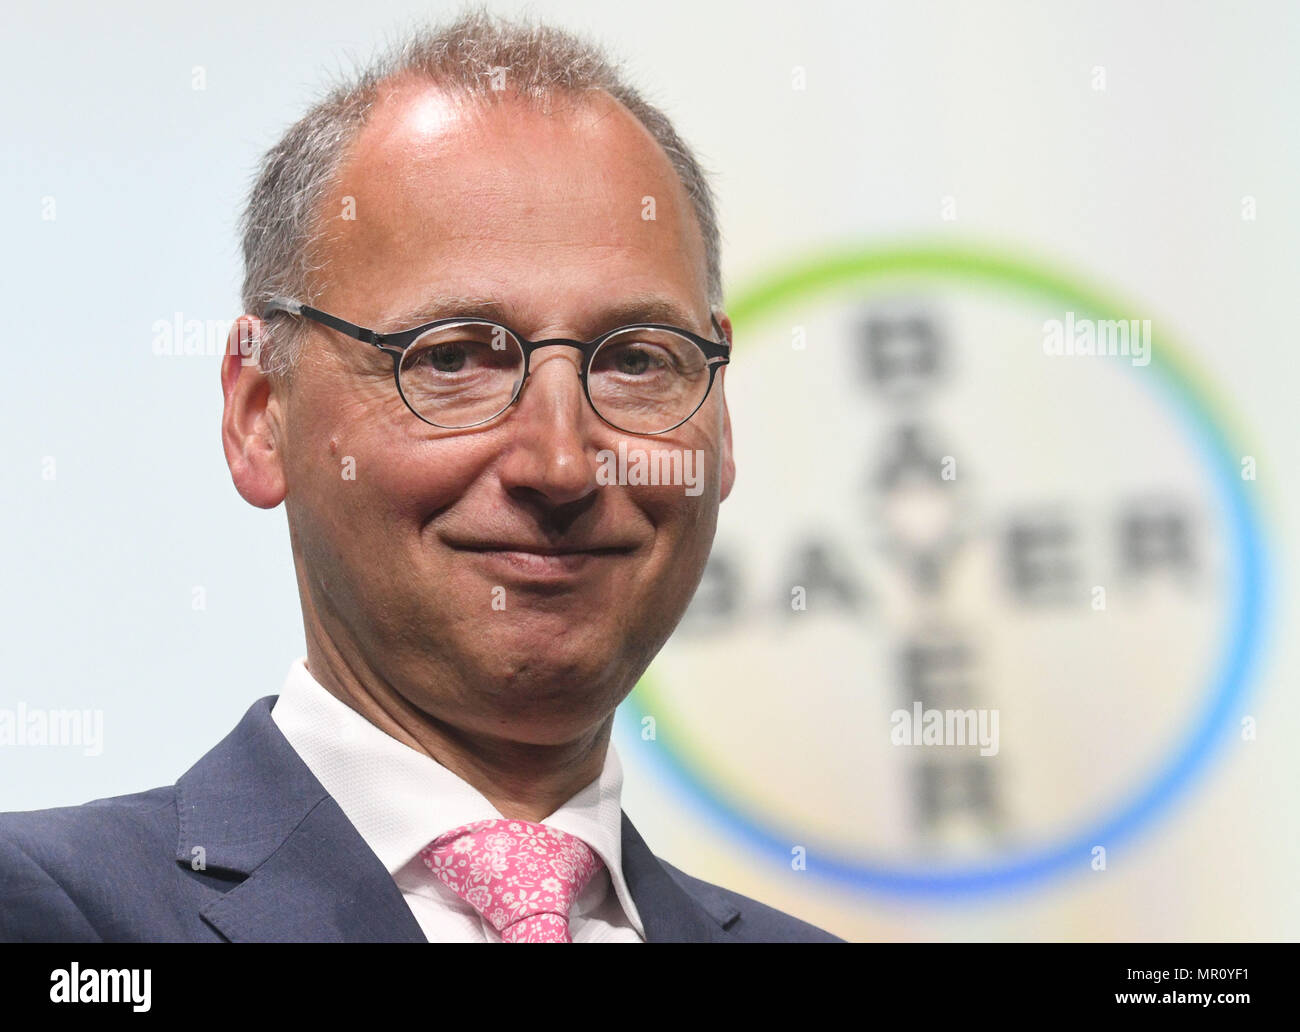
<point>499,198</point>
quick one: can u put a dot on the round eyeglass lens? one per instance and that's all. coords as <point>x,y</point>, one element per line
<point>647,381</point>
<point>461,374</point>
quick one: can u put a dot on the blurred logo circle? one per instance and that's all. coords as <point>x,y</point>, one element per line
<point>990,588</point>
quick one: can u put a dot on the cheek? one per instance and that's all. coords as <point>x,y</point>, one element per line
<point>369,466</point>
<point>684,506</point>
<point>694,455</point>
<point>359,503</point>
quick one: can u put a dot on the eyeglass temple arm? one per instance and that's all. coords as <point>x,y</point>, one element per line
<point>722,343</point>
<point>289,305</point>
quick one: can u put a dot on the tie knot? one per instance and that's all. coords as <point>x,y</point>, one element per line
<point>521,876</point>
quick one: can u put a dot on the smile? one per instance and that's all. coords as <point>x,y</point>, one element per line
<point>542,564</point>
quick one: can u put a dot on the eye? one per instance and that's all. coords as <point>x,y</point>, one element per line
<point>634,358</point>
<point>446,357</point>
<point>456,353</point>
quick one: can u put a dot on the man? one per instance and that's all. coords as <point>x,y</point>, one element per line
<point>477,596</point>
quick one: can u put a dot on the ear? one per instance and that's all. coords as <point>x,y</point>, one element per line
<point>728,461</point>
<point>251,421</point>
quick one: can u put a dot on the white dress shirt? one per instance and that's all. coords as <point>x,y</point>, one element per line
<point>400,800</point>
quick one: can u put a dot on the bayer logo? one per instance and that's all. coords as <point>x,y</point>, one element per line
<point>989,591</point>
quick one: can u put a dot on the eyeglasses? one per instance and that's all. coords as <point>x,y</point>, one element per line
<point>457,373</point>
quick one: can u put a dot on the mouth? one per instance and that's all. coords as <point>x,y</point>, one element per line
<point>542,562</point>
<point>545,550</point>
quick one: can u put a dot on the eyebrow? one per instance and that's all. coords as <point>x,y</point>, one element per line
<point>638,308</point>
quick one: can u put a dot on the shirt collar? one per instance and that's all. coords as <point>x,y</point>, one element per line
<point>399,799</point>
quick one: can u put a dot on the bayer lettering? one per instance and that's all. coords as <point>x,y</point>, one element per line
<point>1044,558</point>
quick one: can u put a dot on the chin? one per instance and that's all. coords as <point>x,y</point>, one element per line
<point>546,705</point>
<point>543,671</point>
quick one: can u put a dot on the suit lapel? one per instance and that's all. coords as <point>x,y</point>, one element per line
<point>667,911</point>
<point>254,808</point>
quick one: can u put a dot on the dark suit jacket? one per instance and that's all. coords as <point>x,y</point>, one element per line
<point>281,863</point>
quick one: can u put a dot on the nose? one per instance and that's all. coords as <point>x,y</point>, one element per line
<point>549,459</point>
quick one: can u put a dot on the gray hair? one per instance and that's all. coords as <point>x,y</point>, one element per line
<point>283,221</point>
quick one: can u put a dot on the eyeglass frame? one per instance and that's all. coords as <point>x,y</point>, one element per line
<point>395,344</point>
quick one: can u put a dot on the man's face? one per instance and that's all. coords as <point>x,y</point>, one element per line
<point>412,543</point>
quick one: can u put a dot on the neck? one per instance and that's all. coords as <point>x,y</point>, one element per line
<point>522,780</point>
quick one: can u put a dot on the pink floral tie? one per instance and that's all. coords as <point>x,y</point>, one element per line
<point>521,876</point>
